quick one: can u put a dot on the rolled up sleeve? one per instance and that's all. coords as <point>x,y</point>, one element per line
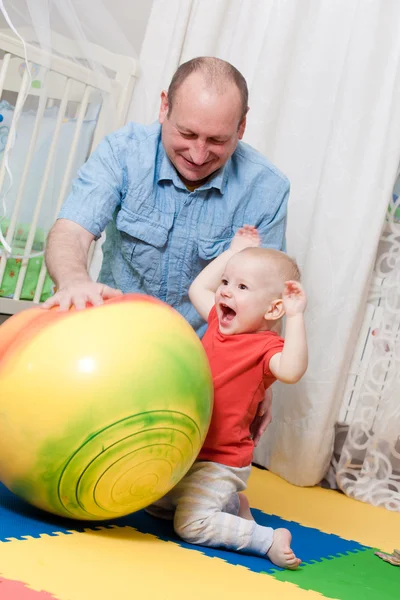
<point>97,190</point>
<point>271,224</point>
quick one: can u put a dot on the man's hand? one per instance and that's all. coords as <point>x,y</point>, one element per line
<point>263,417</point>
<point>79,294</point>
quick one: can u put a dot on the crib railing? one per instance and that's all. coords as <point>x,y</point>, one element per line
<point>74,89</point>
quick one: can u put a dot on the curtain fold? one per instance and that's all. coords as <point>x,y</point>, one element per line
<point>324,84</point>
<point>366,466</point>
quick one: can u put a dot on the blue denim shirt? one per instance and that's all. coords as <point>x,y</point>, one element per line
<point>159,235</point>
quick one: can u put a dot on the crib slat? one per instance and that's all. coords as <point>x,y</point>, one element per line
<point>24,176</point>
<point>46,175</point>
<point>85,83</point>
<point>65,182</point>
<point>3,72</point>
<point>17,113</point>
<point>3,75</point>
<point>10,139</point>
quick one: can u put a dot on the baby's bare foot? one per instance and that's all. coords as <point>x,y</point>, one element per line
<point>245,237</point>
<point>244,508</point>
<point>280,552</point>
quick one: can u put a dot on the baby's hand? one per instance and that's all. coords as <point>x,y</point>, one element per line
<point>245,237</point>
<point>294,299</point>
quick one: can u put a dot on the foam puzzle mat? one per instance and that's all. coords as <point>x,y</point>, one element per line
<point>43,557</point>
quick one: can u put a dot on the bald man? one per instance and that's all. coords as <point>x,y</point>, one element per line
<point>170,197</point>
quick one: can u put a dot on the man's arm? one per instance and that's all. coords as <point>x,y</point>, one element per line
<point>95,194</point>
<point>67,253</point>
<point>290,365</point>
<point>66,259</point>
<point>202,291</point>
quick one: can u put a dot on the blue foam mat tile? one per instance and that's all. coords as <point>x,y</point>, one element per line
<point>309,543</point>
<point>19,520</point>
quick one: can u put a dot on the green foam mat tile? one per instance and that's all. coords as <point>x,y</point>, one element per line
<point>357,576</point>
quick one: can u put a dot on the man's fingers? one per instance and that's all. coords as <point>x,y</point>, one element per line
<point>265,403</point>
<point>95,300</point>
<point>262,408</point>
<point>258,433</point>
<point>108,292</point>
<point>64,301</point>
<point>50,302</point>
<point>262,426</point>
<point>263,418</point>
<point>82,295</point>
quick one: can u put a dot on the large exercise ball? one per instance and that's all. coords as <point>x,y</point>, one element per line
<point>102,411</point>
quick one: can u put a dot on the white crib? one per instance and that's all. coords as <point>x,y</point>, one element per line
<point>55,127</point>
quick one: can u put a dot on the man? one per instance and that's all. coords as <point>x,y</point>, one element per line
<point>170,196</point>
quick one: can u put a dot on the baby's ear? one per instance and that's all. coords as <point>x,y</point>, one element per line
<point>275,310</point>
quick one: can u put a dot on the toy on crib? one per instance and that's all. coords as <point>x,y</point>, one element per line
<point>102,411</point>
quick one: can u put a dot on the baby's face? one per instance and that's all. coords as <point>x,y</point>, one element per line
<point>243,296</point>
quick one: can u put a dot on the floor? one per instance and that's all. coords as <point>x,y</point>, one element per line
<point>43,557</point>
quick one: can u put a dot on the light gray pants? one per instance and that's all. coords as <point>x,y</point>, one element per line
<point>204,506</point>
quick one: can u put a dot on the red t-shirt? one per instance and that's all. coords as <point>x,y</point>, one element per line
<point>240,372</point>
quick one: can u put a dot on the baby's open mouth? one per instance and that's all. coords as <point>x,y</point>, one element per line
<point>227,313</point>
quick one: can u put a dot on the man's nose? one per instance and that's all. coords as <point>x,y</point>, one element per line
<point>199,153</point>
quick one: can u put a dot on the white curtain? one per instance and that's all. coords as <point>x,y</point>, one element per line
<point>324,82</point>
<point>368,463</point>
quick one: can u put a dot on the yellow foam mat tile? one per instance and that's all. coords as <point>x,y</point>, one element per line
<point>326,510</point>
<point>121,564</point>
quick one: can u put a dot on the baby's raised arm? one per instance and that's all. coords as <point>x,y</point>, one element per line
<point>202,291</point>
<point>290,365</point>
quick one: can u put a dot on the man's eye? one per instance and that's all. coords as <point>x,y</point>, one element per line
<point>188,136</point>
<point>242,286</point>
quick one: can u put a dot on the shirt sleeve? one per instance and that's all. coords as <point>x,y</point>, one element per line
<point>96,191</point>
<point>274,345</point>
<point>272,228</point>
<point>212,315</point>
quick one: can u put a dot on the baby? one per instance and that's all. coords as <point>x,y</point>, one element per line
<point>243,294</point>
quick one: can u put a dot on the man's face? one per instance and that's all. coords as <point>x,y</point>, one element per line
<point>202,131</point>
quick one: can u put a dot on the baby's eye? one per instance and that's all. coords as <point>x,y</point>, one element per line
<point>224,281</point>
<point>242,286</point>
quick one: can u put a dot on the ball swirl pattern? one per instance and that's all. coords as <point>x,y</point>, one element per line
<point>128,465</point>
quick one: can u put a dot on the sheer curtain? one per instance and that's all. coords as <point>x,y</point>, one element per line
<point>79,84</point>
<point>368,464</point>
<point>324,83</point>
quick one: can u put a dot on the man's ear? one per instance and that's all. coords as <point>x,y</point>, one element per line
<point>275,310</point>
<point>242,128</point>
<point>242,125</point>
<point>163,113</point>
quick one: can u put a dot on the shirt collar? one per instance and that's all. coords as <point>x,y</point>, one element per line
<point>167,172</point>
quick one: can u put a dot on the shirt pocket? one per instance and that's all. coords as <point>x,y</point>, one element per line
<point>143,241</point>
<point>213,240</point>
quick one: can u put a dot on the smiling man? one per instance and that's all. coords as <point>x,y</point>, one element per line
<point>169,195</point>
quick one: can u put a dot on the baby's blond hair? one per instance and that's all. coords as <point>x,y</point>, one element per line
<point>284,268</point>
